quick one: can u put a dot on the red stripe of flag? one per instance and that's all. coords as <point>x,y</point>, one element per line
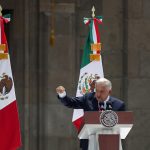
<point>10,138</point>
<point>77,123</point>
<point>97,31</point>
<point>3,36</point>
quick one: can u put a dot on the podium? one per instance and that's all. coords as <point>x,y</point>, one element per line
<point>102,137</point>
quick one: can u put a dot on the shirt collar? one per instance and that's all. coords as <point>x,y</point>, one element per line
<point>107,99</point>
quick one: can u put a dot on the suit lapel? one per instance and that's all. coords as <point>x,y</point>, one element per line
<point>112,101</point>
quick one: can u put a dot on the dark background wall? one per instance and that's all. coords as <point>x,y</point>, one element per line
<point>38,68</point>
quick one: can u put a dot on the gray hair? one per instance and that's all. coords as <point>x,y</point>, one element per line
<point>104,82</point>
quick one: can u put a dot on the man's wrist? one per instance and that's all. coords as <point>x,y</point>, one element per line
<point>62,95</point>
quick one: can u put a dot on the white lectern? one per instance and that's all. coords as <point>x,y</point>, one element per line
<point>102,137</point>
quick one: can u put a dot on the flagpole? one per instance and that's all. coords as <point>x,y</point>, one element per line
<point>93,11</point>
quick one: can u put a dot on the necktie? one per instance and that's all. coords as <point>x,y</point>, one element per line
<point>101,106</point>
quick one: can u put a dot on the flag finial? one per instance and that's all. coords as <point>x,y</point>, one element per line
<point>0,10</point>
<point>93,11</point>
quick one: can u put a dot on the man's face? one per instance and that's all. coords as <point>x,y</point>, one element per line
<point>101,92</point>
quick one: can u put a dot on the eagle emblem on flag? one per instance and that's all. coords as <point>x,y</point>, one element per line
<point>87,82</point>
<point>6,84</point>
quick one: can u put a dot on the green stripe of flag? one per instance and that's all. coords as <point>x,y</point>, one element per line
<point>86,52</point>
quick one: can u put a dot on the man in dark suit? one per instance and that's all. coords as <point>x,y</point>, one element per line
<point>94,101</point>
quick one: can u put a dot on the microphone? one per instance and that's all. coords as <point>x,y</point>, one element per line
<point>101,106</point>
<point>109,105</point>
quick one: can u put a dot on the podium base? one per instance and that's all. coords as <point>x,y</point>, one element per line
<point>104,142</point>
<point>108,142</point>
<point>93,142</point>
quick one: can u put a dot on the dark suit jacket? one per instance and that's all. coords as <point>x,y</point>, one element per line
<point>88,102</point>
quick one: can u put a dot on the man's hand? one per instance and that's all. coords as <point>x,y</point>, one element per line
<point>60,89</point>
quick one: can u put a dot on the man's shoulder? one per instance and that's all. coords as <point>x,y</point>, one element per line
<point>118,105</point>
<point>114,99</point>
<point>90,94</point>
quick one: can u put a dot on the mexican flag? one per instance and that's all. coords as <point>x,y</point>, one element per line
<point>91,66</point>
<point>10,138</point>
